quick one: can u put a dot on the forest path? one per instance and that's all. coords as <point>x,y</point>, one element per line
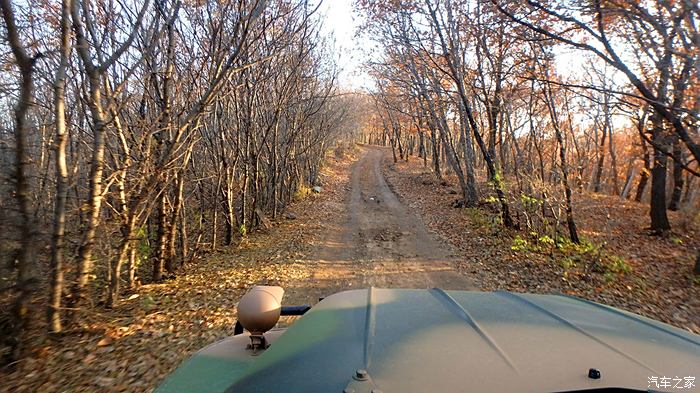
<point>378,242</point>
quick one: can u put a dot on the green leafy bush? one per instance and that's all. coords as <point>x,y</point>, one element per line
<point>546,240</point>
<point>529,201</point>
<point>567,263</point>
<point>570,255</point>
<point>477,217</point>
<point>519,244</point>
<point>491,199</point>
<point>617,264</point>
<point>143,246</point>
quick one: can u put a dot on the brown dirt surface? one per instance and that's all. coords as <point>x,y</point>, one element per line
<point>379,242</point>
<point>660,284</point>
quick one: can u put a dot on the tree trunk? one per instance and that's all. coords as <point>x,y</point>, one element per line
<point>392,142</point>
<point>601,161</point>
<point>184,249</point>
<point>632,173</point>
<point>397,133</point>
<point>689,189</point>
<point>644,176</point>
<point>115,276</point>
<point>491,115</point>
<point>659,218</point>
<point>94,201</point>
<point>571,223</point>
<point>421,148</point>
<point>471,194</point>
<point>172,228</point>
<point>159,260</point>
<point>53,311</point>
<point>133,264</point>
<point>26,280</point>
<point>436,150</point>
<point>453,160</point>
<point>678,180</point>
<point>613,163</point>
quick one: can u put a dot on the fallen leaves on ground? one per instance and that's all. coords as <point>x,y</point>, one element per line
<point>660,284</point>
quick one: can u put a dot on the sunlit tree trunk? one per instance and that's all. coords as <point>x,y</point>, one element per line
<point>646,170</point>
<point>53,309</point>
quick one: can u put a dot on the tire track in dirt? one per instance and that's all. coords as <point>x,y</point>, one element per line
<point>378,242</point>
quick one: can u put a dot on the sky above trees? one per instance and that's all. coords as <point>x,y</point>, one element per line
<point>341,22</point>
<point>353,47</point>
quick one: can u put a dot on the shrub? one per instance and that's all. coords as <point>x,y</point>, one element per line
<point>478,217</point>
<point>617,264</point>
<point>491,199</point>
<point>567,263</point>
<point>302,192</point>
<point>519,244</point>
<point>546,240</point>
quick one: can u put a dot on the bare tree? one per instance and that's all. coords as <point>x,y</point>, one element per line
<point>59,225</point>
<point>25,263</point>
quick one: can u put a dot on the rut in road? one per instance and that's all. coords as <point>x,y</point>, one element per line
<point>379,242</point>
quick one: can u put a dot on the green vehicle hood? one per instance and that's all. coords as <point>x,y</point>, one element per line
<point>457,341</point>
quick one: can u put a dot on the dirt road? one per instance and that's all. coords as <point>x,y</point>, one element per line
<point>379,242</point>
